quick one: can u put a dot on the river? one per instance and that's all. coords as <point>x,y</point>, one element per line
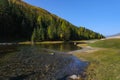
<point>39,62</point>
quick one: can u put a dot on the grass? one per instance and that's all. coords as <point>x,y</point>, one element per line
<point>44,42</point>
<point>104,64</point>
<point>108,43</point>
<point>51,42</point>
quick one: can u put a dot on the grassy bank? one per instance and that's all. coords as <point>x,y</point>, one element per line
<point>44,42</point>
<point>104,64</point>
<point>51,42</point>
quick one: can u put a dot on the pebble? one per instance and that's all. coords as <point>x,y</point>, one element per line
<point>73,77</point>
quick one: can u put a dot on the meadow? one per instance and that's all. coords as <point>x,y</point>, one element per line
<point>104,63</point>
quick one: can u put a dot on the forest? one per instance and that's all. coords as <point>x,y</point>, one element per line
<point>20,21</point>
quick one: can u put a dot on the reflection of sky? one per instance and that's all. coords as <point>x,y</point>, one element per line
<point>76,67</point>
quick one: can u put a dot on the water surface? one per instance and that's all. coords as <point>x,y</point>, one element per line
<point>62,47</point>
<point>41,62</point>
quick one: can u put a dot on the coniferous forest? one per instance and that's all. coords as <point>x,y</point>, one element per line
<point>24,22</point>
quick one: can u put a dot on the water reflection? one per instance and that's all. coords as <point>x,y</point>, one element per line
<point>63,47</point>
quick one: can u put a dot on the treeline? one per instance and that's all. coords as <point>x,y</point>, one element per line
<point>21,21</point>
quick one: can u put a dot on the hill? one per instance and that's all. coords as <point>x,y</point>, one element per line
<point>20,21</point>
<point>108,43</point>
<point>114,36</point>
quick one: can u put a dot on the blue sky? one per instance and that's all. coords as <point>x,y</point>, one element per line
<point>102,16</point>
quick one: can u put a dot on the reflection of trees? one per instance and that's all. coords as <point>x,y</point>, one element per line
<point>61,47</point>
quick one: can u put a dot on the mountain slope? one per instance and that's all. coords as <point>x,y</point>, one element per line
<point>21,21</point>
<point>114,36</point>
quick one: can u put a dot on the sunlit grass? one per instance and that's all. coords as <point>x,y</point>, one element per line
<point>104,64</point>
<point>108,43</point>
<point>44,42</point>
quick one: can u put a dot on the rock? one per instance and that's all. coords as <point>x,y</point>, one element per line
<point>75,43</point>
<point>52,53</point>
<point>73,77</point>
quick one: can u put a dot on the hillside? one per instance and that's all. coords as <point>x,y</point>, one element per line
<point>114,36</point>
<point>20,21</point>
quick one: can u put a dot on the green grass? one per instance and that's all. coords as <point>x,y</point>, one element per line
<point>104,64</point>
<point>109,43</point>
<point>44,42</point>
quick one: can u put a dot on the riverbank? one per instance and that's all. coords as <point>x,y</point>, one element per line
<point>8,44</point>
<point>104,60</point>
<point>48,42</point>
<point>85,47</point>
<point>43,42</point>
<point>55,42</point>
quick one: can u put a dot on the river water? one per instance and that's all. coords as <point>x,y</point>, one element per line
<point>39,62</point>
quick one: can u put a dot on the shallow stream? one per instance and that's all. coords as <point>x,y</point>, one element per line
<point>39,62</point>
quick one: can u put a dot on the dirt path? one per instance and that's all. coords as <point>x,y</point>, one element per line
<point>85,49</point>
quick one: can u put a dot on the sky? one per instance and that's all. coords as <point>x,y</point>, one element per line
<point>101,16</point>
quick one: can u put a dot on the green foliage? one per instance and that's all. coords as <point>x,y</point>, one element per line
<point>51,32</point>
<point>88,34</point>
<point>19,20</point>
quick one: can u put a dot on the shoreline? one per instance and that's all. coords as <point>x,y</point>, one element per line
<point>43,42</point>
<point>30,43</point>
<point>77,42</point>
<point>84,50</point>
<point>4,44</point>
